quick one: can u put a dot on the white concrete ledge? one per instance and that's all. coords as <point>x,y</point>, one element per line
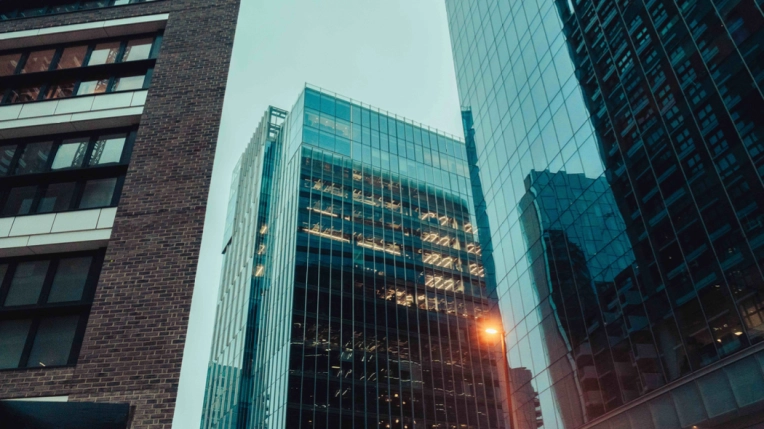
<point>56,232</point>
<point>72,114</point>
<point>86,31</point>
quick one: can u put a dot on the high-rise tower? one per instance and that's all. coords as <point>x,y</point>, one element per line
<point>652,109</point>
<point>109,114</point>
<point>359,300</point>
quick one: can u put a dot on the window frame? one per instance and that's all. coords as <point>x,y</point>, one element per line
<point>50,78</point>
<point>79,175</point>
<point>43,310</point>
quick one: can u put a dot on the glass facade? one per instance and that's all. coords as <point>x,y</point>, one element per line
<point>619,145</point>
<point>370,294</point>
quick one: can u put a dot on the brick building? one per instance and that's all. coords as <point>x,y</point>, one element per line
<point>107,139</point>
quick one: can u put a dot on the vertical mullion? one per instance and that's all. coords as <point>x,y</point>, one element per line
<point>48,281</point>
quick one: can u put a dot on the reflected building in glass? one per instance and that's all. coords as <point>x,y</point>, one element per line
<point>353,293</point>
<point>620,147</point>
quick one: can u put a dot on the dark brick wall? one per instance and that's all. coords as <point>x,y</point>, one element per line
<point>136,332</point>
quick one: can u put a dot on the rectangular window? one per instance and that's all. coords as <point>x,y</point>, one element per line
<point>73,57</point>
<point>104,53</point>
<point>80,151</point>
<point>45,305</point>
<point>9,63</point>
<point>38,61</point>
<point>98,193</point>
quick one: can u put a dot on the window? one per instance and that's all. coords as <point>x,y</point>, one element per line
<point>98,193</point>
<point>38,61</point>
<point>44,304</point>
<point>63,173</point>
<point>9,63</point>
<point>104,53</point>
<point>104,67</point>
<point>73,57</point>
<point>80,151</point>
<point>32,8</point>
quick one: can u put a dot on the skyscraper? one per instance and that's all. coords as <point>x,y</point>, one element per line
<point>353,294</point>
<point>652,108</point>
<point>109,113</point>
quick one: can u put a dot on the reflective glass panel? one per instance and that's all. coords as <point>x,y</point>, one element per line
<point>98,193</point>
<point>108,149</point>
<point>25,95</point>
<point>70,154</point>
<point>53,342</point>
<point>19,201</point>
<point>70,279</point>
<point>57,198</point>
<point>60,90</point>
<point>13,337</point>
<point>6,157</point>
<point>34,159</point>
<point>27,283</point>
<point>129,83</point>
<point>138,49</point>
<point>8,64</point>
<point>73,57</point>
<point>98,86</point>
<point>104,53</point>
<point>39,61</point>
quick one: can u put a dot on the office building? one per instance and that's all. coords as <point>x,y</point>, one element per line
<point>109,114</point>
<point>353,293</point>
<point>630,128</point>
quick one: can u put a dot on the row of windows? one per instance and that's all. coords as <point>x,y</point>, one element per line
<point>60,153</point>
<point>61,197</point>
<point>45,304</point>
<point>78,55</point>
<point>33,8</point>
<point>382,123</point>
<point>337,133</point>
<point>69,88</point>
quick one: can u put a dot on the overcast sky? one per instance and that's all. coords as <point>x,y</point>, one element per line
<point>392,54</point>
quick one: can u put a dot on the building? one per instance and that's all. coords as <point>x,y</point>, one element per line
<point>353,294</point>
<point>653,109</point>
<point>107,138</point>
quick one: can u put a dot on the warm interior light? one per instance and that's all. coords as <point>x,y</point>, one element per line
<point>739,333</point>
<point>491,331</point>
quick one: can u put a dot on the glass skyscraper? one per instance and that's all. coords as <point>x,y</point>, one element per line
<point>353,293</point>
<point>620,145</point>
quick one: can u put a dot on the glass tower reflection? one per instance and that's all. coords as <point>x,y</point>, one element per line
<point>360,296</point>
<point>620,149</point>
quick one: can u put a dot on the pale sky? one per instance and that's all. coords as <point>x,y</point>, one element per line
<point>392,54</point>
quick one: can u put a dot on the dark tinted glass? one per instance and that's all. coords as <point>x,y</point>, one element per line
<point>39,61</point>
<point>70,153</point>
<point>60,90</point>
<point>57,198</point>
<point>53,341</point>
<point>6,156</point>
<point>98,193</point>
<point>19,201</point>
<point>27,283</point>
<point>73,57</point>
<point>70,279</point>
<point>13,336</point>
<point>34,159</point>
<point>8,64</point>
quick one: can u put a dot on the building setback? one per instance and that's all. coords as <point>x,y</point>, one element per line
<point>353,294</point>
<point>620,146</point>
<point>109,114</point>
